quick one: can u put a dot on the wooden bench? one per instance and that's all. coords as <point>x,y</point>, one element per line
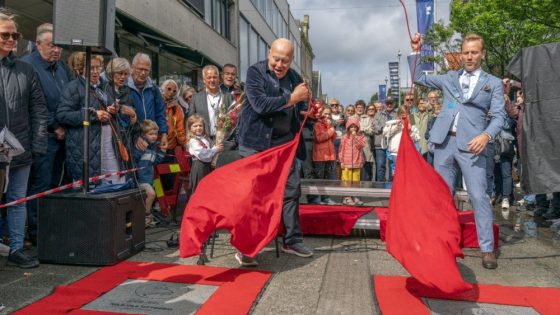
<point>366,189</point>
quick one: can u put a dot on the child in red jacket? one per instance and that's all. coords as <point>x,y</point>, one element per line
<point>350,156</point>
<point>323,148</point>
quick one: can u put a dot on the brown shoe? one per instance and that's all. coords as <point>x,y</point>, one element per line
<point>489,260</point>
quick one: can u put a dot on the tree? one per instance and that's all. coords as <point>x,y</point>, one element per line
<point>506,26</point>
<point>374,97</point>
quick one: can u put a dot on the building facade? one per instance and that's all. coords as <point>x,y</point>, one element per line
<point>182,36</point>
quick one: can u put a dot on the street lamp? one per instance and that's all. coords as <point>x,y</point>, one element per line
<point>399,76</point>
<point>386,90</point>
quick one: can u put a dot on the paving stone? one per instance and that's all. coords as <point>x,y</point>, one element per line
<point>445,307</point>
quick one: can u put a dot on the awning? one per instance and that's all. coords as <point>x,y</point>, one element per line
<point>156,38</point>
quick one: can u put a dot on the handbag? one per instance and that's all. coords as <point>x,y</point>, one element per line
<point>123,152</point>
<point>504,144</point>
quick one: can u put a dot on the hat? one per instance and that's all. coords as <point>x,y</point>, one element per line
<point>352,121</point>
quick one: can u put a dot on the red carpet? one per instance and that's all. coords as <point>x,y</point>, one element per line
<point>401,295</point>
<point>238,288</point>
<point>469,238</point>
<point>329,220</point>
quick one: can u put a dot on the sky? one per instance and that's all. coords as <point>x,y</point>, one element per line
<point>354,40</point>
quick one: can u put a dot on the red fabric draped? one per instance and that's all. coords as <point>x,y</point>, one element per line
<point>244,197</point>
<point>423,231</point>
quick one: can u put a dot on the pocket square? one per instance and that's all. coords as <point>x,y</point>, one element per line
<point>487,88</point>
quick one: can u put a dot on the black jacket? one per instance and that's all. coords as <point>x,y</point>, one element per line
<point>22,108</point>
<point>70,115</point>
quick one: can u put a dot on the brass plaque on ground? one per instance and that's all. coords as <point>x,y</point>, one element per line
<point>153,297</point>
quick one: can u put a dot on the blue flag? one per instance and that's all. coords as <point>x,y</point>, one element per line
<point>425,19</point>
<point>382,93</point>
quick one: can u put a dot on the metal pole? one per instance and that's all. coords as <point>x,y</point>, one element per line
<point>386,89</point>
<point>86,122</point>
<point>399,75</point>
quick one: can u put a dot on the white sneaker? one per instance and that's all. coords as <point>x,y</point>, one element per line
<point>505,203</point>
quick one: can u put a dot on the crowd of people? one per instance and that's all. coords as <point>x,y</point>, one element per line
<point>133,122</point>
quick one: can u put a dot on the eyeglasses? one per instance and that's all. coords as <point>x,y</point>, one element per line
<point>371,109</point>
<point>7,35</point>
<point>171,90</point>
<point>409,99</point>
<point>333,104</point>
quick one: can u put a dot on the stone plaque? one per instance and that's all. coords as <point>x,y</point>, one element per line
<point>153,297</point>
<point>453,307</point>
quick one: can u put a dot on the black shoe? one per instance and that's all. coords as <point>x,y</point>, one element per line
<point>539,211</point>
<point>23,260</point>
<point>552,214</point>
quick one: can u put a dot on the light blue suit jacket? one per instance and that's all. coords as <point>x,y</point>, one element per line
<point>487,96</point>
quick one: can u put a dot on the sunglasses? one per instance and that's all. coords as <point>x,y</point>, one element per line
<point>171,89</point>
<point>334,104</point>
<point>6,35</point>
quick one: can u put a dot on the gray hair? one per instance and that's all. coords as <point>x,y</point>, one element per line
<point>141,57</point>
<point>6,16</point>
<point>42,30</point>
<point>208,68</point>
<point>166,83</point>
<point>185,89</point>
<point>116,65</point>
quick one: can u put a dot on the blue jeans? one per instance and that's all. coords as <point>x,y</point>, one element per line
<point>504,181</point>
<point>17,188</point>
<point>380,162</point>
<point>392,164</point>
<point>43,171</point>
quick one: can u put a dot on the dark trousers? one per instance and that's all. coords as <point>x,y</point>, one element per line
<point>290,207</point>
<point>46,172</point>
<point>380,162</point>
<point>366,174</point>
<point>323,170</point>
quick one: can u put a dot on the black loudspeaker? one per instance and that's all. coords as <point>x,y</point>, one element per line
<point>93,229</point>
<point>85,23</point>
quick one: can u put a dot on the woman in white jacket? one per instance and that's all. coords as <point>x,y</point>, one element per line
<point>392,136</point>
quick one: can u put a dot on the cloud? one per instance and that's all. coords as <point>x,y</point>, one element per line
<point>353,41</point>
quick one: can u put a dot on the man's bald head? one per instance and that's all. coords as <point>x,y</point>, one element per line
<point>280,57</point>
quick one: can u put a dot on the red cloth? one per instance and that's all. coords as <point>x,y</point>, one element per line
<point>423,231</point>
<point>400,295</point>
<point>244,197</point>
<point>469,237</point>
<point>329,220</point>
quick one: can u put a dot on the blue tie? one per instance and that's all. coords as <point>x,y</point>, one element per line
<point>465,85</point>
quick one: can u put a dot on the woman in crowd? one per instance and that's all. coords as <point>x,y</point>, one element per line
<point>102,110</point>
<point>126,129</point>
<point>176,135</point>
<point>392,133</point>
<point>366,124</point>
<point>185,100</point>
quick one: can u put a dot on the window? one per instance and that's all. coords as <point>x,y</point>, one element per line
<point>263,49</point>
<point>243,48</point>
<point>253,46</point>
<point>216,14</point>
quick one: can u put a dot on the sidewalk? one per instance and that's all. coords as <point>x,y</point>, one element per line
<point>336,280</point>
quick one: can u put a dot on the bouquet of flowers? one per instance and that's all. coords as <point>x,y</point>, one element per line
<point>226,120</point>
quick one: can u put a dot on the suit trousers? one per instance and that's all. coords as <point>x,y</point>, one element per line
<point>448,159</point>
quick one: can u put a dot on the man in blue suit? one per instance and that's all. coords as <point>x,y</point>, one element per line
<point>461,132</point>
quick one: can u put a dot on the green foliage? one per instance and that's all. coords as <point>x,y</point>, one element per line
<point>506,26</point>
<point>374,97</point>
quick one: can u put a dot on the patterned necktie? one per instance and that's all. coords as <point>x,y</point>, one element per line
<point>465,85</point>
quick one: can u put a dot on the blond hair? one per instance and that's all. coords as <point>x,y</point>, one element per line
<point>148,125</point>
<point>77,62</point>
<point>191,121</point>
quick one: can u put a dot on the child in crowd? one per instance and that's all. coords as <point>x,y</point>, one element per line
<point>323,148</point>
<point>350,156</point>
<point>200,150</point>
<point>148,158</point>
<point>392,133</point>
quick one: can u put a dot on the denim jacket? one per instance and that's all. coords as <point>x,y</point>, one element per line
<point>264,97</point>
